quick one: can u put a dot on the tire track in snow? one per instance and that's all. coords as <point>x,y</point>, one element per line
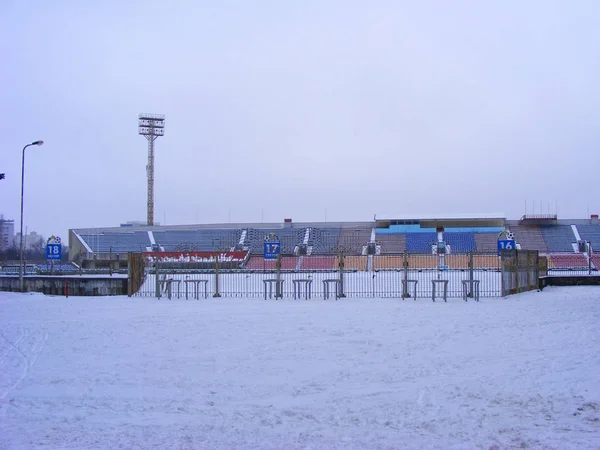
<point>29,358</point>
<point>11,347</point>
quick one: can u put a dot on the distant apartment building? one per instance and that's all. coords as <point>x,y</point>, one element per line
<point>7,233</point>
<point>31,241</point>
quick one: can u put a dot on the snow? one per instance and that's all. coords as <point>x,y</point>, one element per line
<point>118,372</point>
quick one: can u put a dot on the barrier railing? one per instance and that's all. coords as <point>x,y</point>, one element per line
<point>407,276</point>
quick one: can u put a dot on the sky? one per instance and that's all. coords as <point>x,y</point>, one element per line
<point>315,110</point>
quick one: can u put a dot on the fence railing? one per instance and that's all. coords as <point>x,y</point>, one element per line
<point>520,271</point>
<point>572,264</point>
<point>408,276</point>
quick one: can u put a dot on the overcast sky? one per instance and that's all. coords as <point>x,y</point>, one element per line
<point>309,110</point>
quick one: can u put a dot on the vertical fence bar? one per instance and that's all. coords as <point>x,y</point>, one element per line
<point>129,274</point>
<point>278,290</point>
<point>217,288</point>
<point>342,263</point>
<point>157,278</point>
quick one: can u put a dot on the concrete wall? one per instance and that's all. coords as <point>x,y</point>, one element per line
<point>57,285</point>
<point>569,281</point>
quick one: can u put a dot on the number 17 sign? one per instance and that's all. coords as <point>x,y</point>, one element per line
<point>271,250</point>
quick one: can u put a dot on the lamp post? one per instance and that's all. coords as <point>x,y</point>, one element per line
<point>21,268</point>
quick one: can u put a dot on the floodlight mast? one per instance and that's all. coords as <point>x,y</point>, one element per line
<point>151,126</point>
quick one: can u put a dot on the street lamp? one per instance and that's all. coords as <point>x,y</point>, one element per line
<point>21,268</point>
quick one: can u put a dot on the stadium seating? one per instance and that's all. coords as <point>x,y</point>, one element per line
<point>352,262</point>
<point>259,263</point>
<point>391,243</point>
<point>289,238</point>
<point>462,241</point>
<point>203,240</point>
<point>558,238</point>
<point>457,261</point>
<point>116,242</point>
<point>529,237</point>
<point>486,262</point>
<point>420,242</point>
<point>318,263</point>
<point>423,261</point>
<point>353,239</point>
<point>596,261</point>
<point>590,233</point>
<point>324,240</point>
<point>567,261</point>
<point>382,262</point>
<point>486,242</point>
<point>57,267</point>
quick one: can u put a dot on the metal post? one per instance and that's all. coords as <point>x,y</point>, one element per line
<point>278,290</point>
<point>471,275</point>
<point>157,287</point>
<point>405,293</point>
<point>129,275</point>
<point>217,293</point>
<point>341,293</point>
<point>21,268</point>
<point>501,258</point>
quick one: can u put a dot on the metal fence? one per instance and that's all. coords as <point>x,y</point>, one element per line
<point>520,271</point>
<point>572,264</point>
<point>407,276</point>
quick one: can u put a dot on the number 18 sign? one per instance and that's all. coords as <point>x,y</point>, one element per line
<point>53,248</point>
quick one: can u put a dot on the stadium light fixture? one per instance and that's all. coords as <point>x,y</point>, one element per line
<point>151,126</point>
<point>21,268</point>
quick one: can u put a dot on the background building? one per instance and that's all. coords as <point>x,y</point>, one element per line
<point>7,233</point>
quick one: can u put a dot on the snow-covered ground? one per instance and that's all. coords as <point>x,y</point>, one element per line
<point>118,372</point>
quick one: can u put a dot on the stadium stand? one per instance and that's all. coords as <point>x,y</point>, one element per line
<point>486,242</point>
<point>462,241</point>
<point>352,262</point>
<point>382,262</point>
<point>457,261</point>
<point>529,237</point>
<point>324,240</point>
<point>391,243</point>
<point>567,261</point>
<point>420,242</point>
<point>596,261</point>
<point>199,240</point>
<point>590,233</point>
<point>423,261</point>
<point>318,263</point>
<point>136,241</point>
<point>354,238</point>
<point>259,263</point>
<point>558,238</point>
<point>289,238</point>
<point>486,262</point>
<point>57,267</point>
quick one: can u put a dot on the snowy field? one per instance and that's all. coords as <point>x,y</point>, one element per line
<point>118,372</point>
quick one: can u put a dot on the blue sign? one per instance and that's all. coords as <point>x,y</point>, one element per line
<point>53,251</point>
<point>506,244</point>
<point>272,250</point>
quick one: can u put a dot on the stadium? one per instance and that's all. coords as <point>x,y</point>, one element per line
<point>381,258</point>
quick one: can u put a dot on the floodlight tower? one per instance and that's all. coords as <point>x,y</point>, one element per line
<point>151,126</point>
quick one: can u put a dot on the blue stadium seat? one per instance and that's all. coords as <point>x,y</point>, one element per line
<point>420,242</point>
<point>461,241</point>
<point>558,238</point>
